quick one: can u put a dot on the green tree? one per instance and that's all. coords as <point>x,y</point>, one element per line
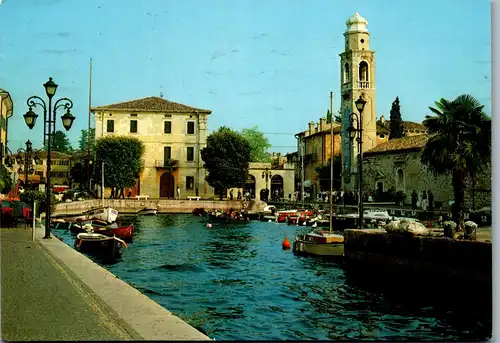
<point>122,157</point>
<point>83,141</point>
<point>328,116</point>
<point>6,182</point>
<point>30,196</point>
<point>459,144</point>
<point>78,174</point>
<point>396,124</point>
<point>338,118</point>
<point>259,144</point>
<point>60,143</point>
<point>226,157</point>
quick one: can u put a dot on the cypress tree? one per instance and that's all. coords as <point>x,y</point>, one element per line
<point>396,124</point>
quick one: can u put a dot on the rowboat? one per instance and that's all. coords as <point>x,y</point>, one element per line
<point>100,244</point>
<point>124,232</point>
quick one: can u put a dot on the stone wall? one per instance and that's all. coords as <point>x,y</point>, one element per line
<point>384,168</point>
<point>163,205</point>
<point>469,261</point>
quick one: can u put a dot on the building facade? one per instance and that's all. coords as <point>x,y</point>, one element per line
<point>395,165</point>
<point>6,111</point>
<point>173,136</point>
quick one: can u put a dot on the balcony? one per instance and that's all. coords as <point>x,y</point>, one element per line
<point>363,84</point>
<point>168,163</point>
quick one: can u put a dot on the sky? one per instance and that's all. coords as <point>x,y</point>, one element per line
<point>265,63</point>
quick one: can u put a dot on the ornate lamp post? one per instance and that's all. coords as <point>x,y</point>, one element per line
<point>49,127</point>
<point>266,174</point>
<point>28,161</point>
<point>353,131</point>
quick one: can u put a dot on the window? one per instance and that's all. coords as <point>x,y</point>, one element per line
<point>190,153</point>
<point>167,153</point>
<point>133,126</point>
<point>110,125</point>
<point>190,127</point>
<point>189,182</point>
<point>167,126</point>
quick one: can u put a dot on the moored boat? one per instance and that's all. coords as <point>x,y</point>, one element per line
<point>124,232</point>
<point>98,243</point>
<point>106,214</point>
<point>148,211</point>
<point>321,243</point>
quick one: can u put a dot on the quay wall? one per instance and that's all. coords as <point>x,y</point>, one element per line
<point>457,260</point>
<point>130,206</point>
<point>141,317</point>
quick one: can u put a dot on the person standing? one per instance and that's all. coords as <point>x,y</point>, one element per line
<point>178,192</point>
<point>231,194</point>
<point>431,200</point>
<point>414,198</point>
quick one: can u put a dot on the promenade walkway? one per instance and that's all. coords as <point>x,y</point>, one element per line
<point>42,302</point>
<point>52,292</point>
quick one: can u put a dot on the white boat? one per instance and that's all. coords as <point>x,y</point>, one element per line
<point>321,243</point>
<point>148,211</point>
<point>106,214</point>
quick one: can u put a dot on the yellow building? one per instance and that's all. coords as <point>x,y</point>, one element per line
<point>173,136</point>
<point>6,111</point>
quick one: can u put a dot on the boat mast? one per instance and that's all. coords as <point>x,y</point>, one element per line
<point>102,183</point>
<point>331,160</point>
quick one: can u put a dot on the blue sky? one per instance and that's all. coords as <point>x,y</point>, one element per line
<point>266,63</point>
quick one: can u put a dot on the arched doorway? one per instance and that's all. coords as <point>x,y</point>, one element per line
<point>167,185</point>
<point>276,187</point>
<point>250,186</point>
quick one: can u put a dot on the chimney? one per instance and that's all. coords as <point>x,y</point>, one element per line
<point>382,119</point>
<point>322,124</point>
<point>311,127</point>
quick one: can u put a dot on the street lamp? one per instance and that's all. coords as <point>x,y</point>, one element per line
<point>28,161</point>
<point>353,131</point>
<point>267,175</point>
<point>49,128</point>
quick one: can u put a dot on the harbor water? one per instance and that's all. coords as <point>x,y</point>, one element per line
<point>234,282</point>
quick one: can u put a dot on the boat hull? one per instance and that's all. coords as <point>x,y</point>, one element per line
<point>148,212</point>
<point>125,232</point>
<point>99,244</point>
<point>303,247</point>
<point>106,214</point>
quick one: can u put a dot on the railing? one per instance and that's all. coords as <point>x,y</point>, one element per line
<point>363,84</point>
<point>166,163</point>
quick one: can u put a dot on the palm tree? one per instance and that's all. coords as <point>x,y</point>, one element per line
<point>459,144</point>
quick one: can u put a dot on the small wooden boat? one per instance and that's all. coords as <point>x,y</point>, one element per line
<point>148,211</point>
<point>318,242</point>
<point>199,212</point>
<point>97,243</point>
<point>124,232</point>
<point>106,214</point>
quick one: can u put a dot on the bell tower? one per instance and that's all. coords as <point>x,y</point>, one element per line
<point>357,63</point>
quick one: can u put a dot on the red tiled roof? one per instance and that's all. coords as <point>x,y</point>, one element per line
<point>151,104</point>
<point>400,144</point>
<point>408,126</point>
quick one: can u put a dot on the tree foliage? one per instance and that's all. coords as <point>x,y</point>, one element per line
<point>83,141</point>
<point>6,182</point>
<point>78,174</point>
<point>459,144</point>
<point>122,157</point>
<point>259,144</point>
<point>396,124</point>
<point>60,143</point>
<point>29,196</point>
<point>226,159</point>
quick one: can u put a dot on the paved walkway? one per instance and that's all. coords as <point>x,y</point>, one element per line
<point>41,301</point>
